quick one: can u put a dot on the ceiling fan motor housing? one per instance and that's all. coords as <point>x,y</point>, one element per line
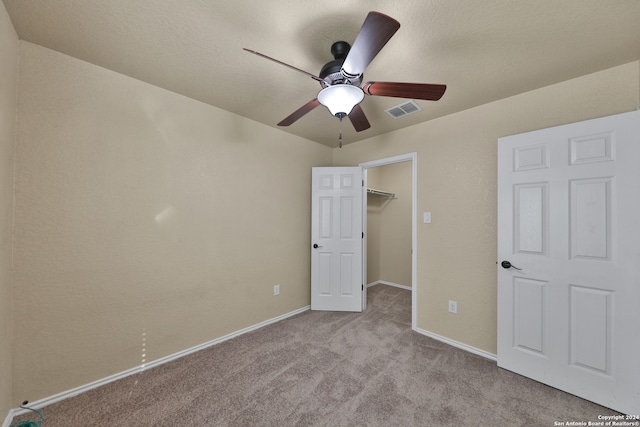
<point>331,73</point>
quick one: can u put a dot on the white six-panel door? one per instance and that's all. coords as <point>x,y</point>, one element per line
<point>569,221</point>
<point>336,238</point>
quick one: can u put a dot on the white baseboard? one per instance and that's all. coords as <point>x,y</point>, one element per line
<point>383,282</point>
<point>95,384</point>
<point>7,421</point>
<point>457,344</point>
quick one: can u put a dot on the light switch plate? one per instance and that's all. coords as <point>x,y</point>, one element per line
<point>426,217</point>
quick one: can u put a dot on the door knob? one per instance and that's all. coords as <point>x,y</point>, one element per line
<point>507,265</point>
<point>316,246</point>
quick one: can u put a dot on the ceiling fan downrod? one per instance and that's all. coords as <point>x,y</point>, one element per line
<point>340,116</point>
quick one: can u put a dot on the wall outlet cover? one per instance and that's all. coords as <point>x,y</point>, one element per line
<point>453,307</point>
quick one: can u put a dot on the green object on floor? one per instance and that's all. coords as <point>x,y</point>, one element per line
<point>30,423</point>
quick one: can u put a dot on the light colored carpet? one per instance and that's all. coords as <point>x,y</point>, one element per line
<point>327,369</point>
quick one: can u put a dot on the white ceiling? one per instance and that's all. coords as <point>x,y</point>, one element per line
<point>482,49</point>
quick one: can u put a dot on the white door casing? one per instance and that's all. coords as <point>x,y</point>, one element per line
<point>336,239</point>
<point>569,220</point>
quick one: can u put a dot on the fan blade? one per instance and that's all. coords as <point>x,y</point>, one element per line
<point>426,91</point>
<point>358,119</point>
<point>283,63</point>
<point>376,31</point>
<point>300,112</point>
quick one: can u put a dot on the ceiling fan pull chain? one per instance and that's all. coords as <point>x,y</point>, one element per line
<point>340,137</point>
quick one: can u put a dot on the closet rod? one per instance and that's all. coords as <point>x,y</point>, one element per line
<point>381,193</point>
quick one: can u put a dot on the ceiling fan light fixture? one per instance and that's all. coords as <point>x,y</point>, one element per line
<point>340,98</point>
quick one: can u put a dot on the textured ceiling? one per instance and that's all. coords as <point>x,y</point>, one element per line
<point>482,49</point>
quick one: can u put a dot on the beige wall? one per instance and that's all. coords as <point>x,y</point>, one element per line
<point>389,225</point>
<point>457,184</point>
<point>8,83</point>
<point>146,222</point>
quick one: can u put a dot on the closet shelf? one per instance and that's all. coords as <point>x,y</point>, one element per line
<point>381,193</point>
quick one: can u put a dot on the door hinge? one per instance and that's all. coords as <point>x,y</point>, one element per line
<point>363,182</point>
<point>363,234</point>
<point>363,287</point>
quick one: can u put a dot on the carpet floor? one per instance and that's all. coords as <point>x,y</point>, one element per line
<point>327,369</point>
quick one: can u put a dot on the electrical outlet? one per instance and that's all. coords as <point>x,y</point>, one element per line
<point>276,290</point>
<point>453,307</point>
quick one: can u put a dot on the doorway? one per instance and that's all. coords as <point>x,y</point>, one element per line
<point>410,192</point>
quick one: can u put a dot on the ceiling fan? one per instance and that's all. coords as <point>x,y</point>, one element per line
<point>341,78</point>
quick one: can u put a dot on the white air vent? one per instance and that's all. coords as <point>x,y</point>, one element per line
<point>403,109</point>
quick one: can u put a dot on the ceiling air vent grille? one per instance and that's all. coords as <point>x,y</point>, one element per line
<point>403,109</point>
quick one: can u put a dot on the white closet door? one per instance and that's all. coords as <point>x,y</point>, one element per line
<point>336,237</point>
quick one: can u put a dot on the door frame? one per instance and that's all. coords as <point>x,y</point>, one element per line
<point>408,157</point>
